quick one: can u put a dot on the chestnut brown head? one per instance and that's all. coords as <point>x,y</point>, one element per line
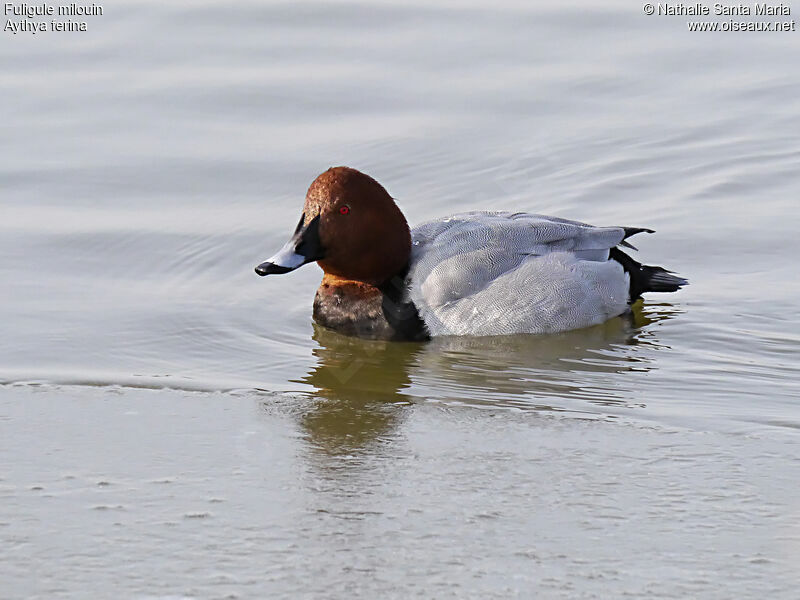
<point>351,226</point>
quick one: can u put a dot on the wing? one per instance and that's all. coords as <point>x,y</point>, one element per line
<point>519,233</point>
<point>457,256</point>
<point>480,266</point>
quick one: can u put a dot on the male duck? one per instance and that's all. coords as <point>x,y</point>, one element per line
<point>476,273</point>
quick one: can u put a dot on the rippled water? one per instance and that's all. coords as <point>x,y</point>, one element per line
<point>150,163</point>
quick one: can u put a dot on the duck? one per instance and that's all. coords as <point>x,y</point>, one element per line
<point>478,273</point>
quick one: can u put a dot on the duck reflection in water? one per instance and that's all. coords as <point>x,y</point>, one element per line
<point>359,387</point>
<point>363,389</point>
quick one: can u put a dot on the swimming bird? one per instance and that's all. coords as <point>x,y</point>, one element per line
<point>475,273</point>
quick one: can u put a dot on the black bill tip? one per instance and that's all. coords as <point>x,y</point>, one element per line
<point>268,268</point>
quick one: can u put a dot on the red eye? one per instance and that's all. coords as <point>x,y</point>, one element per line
<point>344,210</point>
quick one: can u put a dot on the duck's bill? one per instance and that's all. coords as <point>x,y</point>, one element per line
<point>284,261</point>
<point>304,247</point>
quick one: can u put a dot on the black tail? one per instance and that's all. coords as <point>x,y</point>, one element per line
<point>645,278</point>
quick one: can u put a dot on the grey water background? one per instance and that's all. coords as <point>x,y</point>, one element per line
<point>173,426</point>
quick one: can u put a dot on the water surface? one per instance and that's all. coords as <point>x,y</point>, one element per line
<point>172,425</point>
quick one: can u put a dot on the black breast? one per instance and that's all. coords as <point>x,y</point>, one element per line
<point>400,312</point>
